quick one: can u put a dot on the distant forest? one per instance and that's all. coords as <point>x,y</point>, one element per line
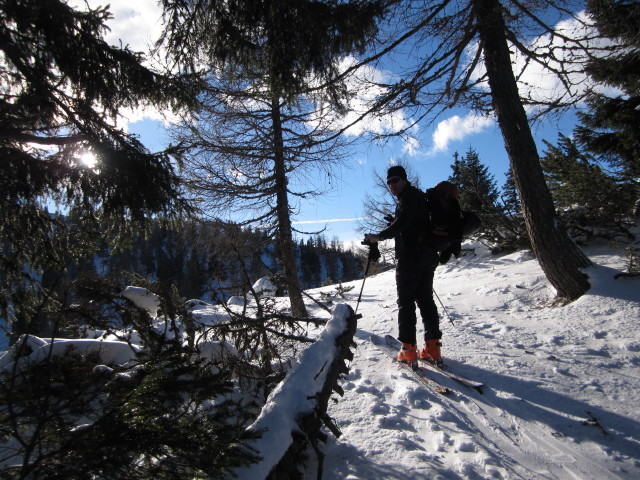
<point>211,261</point>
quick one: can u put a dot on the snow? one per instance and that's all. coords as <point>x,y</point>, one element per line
<point>292,398</point>
<point>143,298</point>
<point>110,352</point>
<point>264,286</point>
<point>549,372</point>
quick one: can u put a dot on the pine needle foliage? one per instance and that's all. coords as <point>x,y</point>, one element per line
<point>610,127</point>
<point>575,179</point>
<point>62,88</point>
<point>476,186</point>
<point>170,413</point>
<point>589,200</point>
<point>286,40</point>
<point>478,193</point>
<point>594,176</point>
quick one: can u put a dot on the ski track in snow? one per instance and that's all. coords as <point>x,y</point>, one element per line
<point>544,368</point>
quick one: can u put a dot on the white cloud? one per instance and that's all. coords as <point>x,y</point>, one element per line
<point>411,145</point>
<point>539,83</point>
<point>136,23</point>
<point>457,128</point>
<point>139,23</point>
<point>365,86</point>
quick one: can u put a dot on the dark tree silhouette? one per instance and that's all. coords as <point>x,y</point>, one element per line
<point>610,127</point>
<point>464,55</point>
<point>260,128</point>
<point>62,87</point>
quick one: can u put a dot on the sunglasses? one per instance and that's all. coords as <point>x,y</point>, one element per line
<point>393,180</point>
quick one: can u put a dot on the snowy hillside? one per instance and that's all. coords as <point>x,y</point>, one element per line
<point>562,396</point>
<point>552,374</point>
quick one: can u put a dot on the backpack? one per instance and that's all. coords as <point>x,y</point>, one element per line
<point>447,222</point>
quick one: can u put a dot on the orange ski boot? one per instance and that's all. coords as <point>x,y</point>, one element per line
<point>408,353</point>
<point>431,352</point>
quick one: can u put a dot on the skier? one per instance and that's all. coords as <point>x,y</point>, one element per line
<point>416,261</point>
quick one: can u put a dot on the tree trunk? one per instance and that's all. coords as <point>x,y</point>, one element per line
<point>285,238</point>
<point>560,258</point>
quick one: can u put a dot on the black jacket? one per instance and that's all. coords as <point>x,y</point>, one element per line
<point>409,229</point>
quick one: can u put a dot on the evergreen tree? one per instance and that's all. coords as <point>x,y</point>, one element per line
<point>513,231</point>
<point>576,180</point>
<point>478,193</point>
<point>476,186</point>
<point>69,416</point>
<point>585,194</point>
<point>310,263</point>
<point>158,416</point>
<point>510,197</point>
<point>62,87</point>
<point>202,259</point>
<point>611,125</point>
<point>253,133</point>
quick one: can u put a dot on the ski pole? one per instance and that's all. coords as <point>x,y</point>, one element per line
<point>445,310</point>
<point>374,256</point>
<point>366,271</point>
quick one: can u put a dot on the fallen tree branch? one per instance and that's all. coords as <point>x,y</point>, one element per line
<point>295,412</point>
<point>311,424</point>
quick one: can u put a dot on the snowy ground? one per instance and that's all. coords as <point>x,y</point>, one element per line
<point>545,368</point>
<point>563,385</point>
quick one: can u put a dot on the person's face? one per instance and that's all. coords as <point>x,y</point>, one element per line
<point>396,185</point>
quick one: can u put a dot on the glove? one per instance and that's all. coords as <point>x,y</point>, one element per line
<point>454,248</point>
<point>374,252</point>
<point>444,257</point>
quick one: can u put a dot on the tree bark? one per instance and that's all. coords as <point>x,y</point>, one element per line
<point>560,258</point>
<point>285,237</point>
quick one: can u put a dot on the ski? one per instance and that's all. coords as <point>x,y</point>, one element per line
<point>419,374</point>
<point>395,344</point>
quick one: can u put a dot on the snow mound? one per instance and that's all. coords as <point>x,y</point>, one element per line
<point>143,298</point>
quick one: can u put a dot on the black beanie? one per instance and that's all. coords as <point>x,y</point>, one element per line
<point>397,171</point>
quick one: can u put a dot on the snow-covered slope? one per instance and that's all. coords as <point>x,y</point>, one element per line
<point>562,396</point>
<point>552,374</point>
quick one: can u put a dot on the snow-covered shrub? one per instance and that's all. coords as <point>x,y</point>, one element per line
<point>156,408</point>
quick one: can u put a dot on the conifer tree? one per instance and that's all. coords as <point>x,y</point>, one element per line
<point>70,416</point>
<point>476,186</point>
<point>62,87</point>
<point>478,193</point>
<point>583,192</point>
<point>611,125</point>
<point>165,414</point>
<point>576,180</point>
<point>510,197</point>
<point>259,130</point>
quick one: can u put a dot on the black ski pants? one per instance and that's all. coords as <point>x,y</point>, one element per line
<point>414,281</point>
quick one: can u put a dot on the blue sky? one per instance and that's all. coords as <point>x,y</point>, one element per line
<point>430,156</point>
<point>431,167</point>
<point>338,210</point>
